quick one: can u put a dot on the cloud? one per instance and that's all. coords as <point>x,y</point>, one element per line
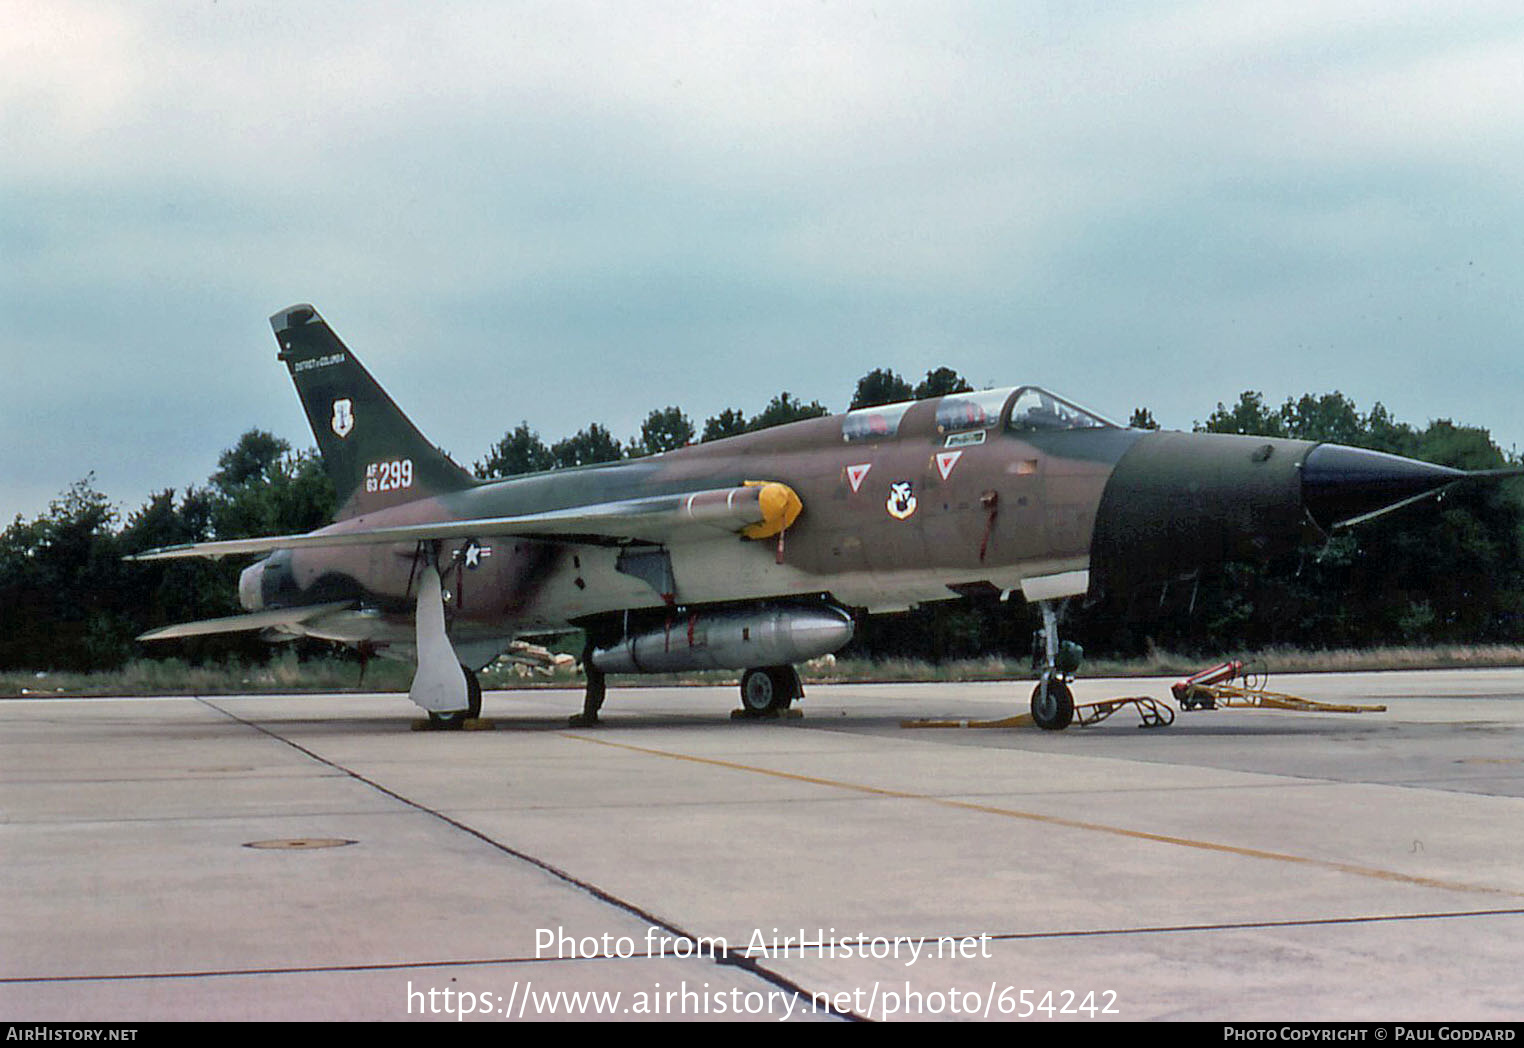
<point>578,211</point>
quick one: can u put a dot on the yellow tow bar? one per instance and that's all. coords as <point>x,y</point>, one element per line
<point>1227,696</point>
<point>1155,714</point>
<point>1213,688</point>
<point>1210,689</point>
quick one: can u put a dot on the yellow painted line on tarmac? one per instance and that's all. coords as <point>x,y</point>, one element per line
<point>1375,873</point>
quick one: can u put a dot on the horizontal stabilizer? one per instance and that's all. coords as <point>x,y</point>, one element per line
<point>655,518</point>
<point>259,620</point>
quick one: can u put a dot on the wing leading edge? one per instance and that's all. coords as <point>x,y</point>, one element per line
<point>259,620</point>
<point>755,510</point>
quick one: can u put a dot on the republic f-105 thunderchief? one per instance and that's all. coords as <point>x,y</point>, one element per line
<point>755,552</point>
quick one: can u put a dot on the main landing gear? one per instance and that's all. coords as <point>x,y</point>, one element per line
<point>769,689</point>
<point>457,718</point>
<point>442,686</point>
<point>1052,701</point>
<point>592,696</point>
<point>765,691</point>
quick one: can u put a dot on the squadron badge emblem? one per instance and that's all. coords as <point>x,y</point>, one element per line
<point>901,500</point>
<point>343,417</point>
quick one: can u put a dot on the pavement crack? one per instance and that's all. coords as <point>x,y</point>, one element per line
<point>774,978</point>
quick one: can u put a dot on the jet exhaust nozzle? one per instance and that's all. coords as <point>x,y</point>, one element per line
<point>251,586</point>
<point>1343,485</point>
<point>775,635</point>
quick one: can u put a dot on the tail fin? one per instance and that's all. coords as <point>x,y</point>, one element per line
<point>376,457</point>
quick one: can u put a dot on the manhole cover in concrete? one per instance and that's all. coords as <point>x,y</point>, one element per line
<point>301,843</point>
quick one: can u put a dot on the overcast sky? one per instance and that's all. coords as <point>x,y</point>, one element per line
<point>566,213</point>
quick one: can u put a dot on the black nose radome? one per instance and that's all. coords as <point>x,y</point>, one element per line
<point>1343,485</point>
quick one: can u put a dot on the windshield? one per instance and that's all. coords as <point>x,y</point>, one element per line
<point>1036,409</point>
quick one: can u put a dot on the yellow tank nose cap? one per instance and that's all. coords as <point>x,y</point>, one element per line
<point>780,506</point>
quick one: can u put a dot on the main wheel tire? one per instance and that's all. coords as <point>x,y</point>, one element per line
<point>1056,711</point>
<point>457,718</point>
<point>786,686</point>
<point>759,690</point>
<point>473,694</point>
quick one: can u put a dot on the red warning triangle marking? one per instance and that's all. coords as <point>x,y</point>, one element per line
<point>855,474</point>
<point>946,460</point>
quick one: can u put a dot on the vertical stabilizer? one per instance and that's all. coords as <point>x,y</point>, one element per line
<point>375,455</point>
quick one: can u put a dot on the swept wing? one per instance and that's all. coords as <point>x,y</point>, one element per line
<point>259,620</point>
<point>755,510</point>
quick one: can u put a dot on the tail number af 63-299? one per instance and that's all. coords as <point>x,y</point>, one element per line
<point>392,475</point>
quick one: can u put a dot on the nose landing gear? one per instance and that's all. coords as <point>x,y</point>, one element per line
<point>1052,701</point>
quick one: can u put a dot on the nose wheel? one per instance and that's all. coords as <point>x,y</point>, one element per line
<point>1052,701</point>
<point>1052,704</point>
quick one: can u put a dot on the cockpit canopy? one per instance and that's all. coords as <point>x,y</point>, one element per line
<point>1022,409</point>
<point>1033,408</point>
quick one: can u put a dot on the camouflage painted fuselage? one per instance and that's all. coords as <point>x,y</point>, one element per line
<point>919,514</point>
<point>1014,491</point>
<point>753,552</point>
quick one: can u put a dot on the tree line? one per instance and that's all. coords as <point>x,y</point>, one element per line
<point>1448,571</point>
<point>522,451</point>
